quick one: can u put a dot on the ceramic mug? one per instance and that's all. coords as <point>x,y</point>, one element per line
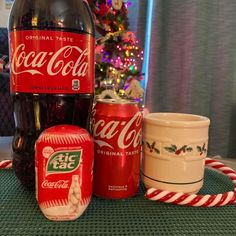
<point>174,150</point>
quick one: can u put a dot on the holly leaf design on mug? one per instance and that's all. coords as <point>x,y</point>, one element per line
<point>171,149</point>
<point>148,145</point>
<point>174,149</point>
<point>157,150</point>
<point>152,147</point>
<point>202,149</point>
<point>189,149</point>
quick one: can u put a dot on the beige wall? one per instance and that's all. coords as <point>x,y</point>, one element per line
<point>3,14</point>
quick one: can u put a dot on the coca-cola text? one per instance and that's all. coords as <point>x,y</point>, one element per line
<point>53,61</point>
<point>125,133</point>
<point>56,184</point>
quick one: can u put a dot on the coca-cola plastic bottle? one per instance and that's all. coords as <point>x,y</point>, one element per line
<point>52,72</point>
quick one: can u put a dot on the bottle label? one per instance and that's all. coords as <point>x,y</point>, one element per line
<point>51,62</point>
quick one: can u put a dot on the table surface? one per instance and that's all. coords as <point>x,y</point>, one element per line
<point>20,215</point>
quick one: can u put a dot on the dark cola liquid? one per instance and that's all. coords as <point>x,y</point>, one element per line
<point>35,112</point>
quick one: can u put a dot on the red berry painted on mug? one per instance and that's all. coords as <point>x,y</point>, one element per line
<point>178,152</point>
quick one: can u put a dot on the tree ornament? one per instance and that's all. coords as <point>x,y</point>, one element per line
<point>108,93</point>
<point>134,90</point>
<point>117,4</point>
<point>128,36</point>
<point>103,10</point>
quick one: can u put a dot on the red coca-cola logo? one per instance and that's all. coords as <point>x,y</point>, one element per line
<point>60,62</point>
<point>63,184</point>
<point>123,134</point>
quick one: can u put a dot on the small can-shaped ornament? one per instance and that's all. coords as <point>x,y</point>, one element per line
<point>64,174</point>
<point>116,126</point>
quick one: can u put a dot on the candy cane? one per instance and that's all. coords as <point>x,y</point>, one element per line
<point>198,200</point>
<point>6,164</point>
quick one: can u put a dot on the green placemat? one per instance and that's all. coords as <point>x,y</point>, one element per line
<point>20,215</point>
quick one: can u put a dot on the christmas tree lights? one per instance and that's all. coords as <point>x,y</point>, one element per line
<point>118,55</point>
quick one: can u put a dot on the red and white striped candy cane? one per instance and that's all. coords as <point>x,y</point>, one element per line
<point>5,164</point>
<point>198,200</point>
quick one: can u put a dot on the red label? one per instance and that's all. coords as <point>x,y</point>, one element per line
<point>51,62</point>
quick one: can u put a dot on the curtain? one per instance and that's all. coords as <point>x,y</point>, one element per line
<point>192,65</point>
<point>137,20</point>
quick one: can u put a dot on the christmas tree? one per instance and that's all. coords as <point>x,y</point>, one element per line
<point>118,56</point>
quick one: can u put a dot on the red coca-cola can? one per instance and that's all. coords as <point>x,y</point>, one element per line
<point>116,126</point>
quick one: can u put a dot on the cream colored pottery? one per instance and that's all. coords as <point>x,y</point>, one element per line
<point>174,151</point>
